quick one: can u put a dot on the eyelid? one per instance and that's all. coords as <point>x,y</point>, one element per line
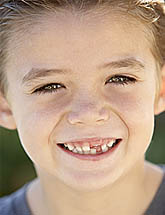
<point>39,90</point>
<point>126,80</point>
<point>125,75</point>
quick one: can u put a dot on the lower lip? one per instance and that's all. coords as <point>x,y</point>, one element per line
<point>96,157</point>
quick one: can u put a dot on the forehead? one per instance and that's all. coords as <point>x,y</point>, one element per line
<point>72,39</point>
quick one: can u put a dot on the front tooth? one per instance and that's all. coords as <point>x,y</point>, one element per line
<point>86,152</point>
<point>93,151</point>
<point>111,143</point>
<point>104,148</point>
<point>86,148</point>
<point>79,149</point>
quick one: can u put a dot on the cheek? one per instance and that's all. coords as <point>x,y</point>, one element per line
<point>136,110</point>
<point>134,105</point>
<point>35,127</point>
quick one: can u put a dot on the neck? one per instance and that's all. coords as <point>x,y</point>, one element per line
<point>121,197</point>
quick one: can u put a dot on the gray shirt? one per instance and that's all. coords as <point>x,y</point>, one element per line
<point>16,203</point>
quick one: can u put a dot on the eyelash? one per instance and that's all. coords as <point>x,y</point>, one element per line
<point>124,80</point>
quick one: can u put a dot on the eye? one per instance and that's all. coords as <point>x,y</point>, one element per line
<point>49,88</point>
<point>121,80</point>
<point>54,87</point>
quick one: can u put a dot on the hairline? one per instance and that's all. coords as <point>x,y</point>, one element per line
<point>98,11</point>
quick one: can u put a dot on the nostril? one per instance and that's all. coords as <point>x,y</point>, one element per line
<point>88,116</point>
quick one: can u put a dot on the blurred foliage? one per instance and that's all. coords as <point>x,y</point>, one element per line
<point>16,168</point>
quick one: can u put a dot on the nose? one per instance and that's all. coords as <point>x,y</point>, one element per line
<point>88,114</point>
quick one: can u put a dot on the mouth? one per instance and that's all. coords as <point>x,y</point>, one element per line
<point>93,153</point>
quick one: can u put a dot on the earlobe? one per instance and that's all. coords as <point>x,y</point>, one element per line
<point>6,116</point>
<point>160,106</point>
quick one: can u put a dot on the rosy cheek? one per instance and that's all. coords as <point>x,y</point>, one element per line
<point>42,118</point>
<point>132,106</point>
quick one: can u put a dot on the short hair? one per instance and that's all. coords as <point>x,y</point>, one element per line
<point>16,14</point>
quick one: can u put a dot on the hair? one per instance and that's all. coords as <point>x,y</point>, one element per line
<point>18,15</point>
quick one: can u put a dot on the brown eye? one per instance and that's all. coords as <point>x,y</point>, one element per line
<point>49,88</point>
<point>121,80</point>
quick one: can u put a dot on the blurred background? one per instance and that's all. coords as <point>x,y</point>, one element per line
<point>16,168</point>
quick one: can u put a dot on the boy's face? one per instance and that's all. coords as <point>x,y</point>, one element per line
<point>85,105</point>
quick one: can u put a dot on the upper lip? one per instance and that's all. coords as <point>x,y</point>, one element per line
<point>91,140</point>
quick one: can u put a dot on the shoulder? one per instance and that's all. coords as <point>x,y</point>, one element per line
<point>6,206</point>
<point>162,166</point>
<point>157,206</point>
<point>15,203</point>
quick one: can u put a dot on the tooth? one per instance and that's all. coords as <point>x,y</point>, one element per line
<point>79,149</point>
<point>111,143</point>
<point>70,147</point>
<point>104,148</point>
<point>80,152</point>
<point>87,152</point>
<point>93,151</point>
<point>86,148</point>
<point>74,150</point>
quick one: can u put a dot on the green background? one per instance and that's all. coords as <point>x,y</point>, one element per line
<point>16,168</point>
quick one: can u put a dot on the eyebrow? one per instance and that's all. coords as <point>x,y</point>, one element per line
<point>36,73</point>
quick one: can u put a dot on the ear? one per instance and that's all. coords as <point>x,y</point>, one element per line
<point>160,106</point>
<point>6,116</point>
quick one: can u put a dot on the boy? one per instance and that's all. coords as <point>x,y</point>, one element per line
<point>81,82</point>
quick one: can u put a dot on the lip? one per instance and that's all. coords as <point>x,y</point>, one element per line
<point>96,157</point>
<point>94,140</point>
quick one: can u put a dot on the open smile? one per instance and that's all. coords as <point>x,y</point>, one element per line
<point>94,154</point>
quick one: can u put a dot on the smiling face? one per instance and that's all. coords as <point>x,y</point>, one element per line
<point>89,101</point>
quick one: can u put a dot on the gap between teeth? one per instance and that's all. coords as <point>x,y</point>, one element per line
<point>88,150</point>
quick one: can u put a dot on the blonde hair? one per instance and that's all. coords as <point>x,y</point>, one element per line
<point>149,12</point>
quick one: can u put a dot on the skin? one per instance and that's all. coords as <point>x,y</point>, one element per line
<point>86,108</point>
